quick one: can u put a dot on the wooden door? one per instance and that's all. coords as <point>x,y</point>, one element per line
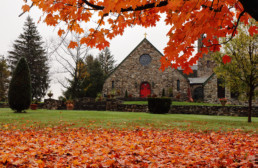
<point>145,89</point>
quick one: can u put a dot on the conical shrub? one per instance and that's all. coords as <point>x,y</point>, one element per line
<point>19,95</point>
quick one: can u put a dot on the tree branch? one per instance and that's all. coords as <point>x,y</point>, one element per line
<point>143,7</point>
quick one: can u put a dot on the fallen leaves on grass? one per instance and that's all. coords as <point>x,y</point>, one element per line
<point>81,147</point>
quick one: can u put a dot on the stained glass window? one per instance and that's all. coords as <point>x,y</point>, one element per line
<point>145,59</point>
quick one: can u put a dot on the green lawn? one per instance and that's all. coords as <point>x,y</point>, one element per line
<point>175,103</point>
<point>108,119</point>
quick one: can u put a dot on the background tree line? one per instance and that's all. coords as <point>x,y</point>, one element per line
<point>86,73</point>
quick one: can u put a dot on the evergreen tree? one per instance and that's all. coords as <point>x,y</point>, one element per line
<point>4,79</point>
<point>19,95</point>
<point>95,80</point>
<point>107,61</point>
<point>29,45</point>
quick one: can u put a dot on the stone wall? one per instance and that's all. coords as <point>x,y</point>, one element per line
<point>89,104</point>
<point>241,111</point>
<point>52,104</point>
<point>4,105</point>
<point>205,66</point>
<point>116,105</point>
<point>130,74</point>
<point>210,90</point>
<point>132,108</point>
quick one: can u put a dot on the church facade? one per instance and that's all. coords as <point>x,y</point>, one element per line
<point>139,75</point>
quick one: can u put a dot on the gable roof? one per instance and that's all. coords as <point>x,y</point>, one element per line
<point>200,80</point>
<point>132,52</point>
<point>145,39</point>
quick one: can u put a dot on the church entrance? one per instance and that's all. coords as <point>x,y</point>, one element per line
<point>198,94</point>
<point>145,89</point>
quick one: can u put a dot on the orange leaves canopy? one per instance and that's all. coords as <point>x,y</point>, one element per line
<point>188,21</point>
<point>79,147</point>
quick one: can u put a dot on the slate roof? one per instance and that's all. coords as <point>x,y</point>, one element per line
<point>200,80</point>
<point>194,67</point>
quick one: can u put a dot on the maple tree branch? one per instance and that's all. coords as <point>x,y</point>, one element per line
<point>147,6</point>
<point>143,7</point>
<point>96,7</point>
<point>235,27</point>
<point>26,11</point>
<point>232,35</point>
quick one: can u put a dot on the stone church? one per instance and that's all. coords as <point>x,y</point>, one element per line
<point>139,75</point>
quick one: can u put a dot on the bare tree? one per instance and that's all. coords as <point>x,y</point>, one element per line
<point>72,62</point>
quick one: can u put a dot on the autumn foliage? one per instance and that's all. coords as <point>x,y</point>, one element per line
<point>81,147</point>
<point>105,19</point>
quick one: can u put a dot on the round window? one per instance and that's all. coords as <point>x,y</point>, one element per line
<point>145,59</point>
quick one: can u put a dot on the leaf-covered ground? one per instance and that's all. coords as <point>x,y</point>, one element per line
<point>63,146</point>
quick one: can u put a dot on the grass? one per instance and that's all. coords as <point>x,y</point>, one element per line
<point>108,119</point>
<point>175,103</point>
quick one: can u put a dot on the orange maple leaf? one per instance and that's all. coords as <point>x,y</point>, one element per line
<point>253,30</point>
<point>226,59</point>
<point>26,8</point>
<point>60,32</point>
<point>73,44</point>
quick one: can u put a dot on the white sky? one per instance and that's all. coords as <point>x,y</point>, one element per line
<point>12,26</point>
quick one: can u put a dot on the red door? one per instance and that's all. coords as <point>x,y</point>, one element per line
<point>145,89</point>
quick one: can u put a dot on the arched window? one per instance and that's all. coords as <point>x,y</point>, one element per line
<point>178,85</point>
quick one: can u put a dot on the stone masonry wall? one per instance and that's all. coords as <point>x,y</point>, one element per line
<point>130,74</point>
<point>241,111</point>
<point>211,95</point>
<point>210,91</point>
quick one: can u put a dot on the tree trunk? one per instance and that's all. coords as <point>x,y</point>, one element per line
<point>250,104</point>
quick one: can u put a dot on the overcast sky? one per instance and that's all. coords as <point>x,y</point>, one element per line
<point>121,46</point>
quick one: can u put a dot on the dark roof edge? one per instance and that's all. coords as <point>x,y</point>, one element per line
<point>208,79</point>
<point>182,74</point>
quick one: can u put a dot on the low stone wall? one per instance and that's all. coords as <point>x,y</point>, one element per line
<point>132,108</point>
<point>52,104</point>
<point>116,105</point>
<point>89,104</point>
<point>4,105</point>
<point>241,111</point>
